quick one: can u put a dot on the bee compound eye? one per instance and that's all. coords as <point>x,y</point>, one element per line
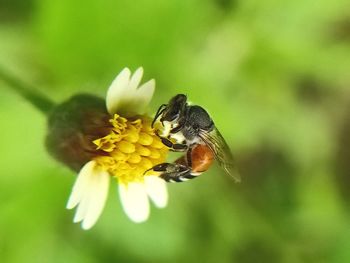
<point>169,116</point>
<point>174,117</point>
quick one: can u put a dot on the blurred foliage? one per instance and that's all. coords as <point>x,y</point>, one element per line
<point>274,76</point>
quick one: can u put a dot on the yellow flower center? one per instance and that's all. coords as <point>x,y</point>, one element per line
<point>130,148</point>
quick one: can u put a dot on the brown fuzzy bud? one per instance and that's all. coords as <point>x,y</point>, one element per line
<point>73,126</point>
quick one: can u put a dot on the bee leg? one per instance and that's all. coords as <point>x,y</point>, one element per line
<point>173,172</point>
<point>179,126</point>
<point>176,147</point>
<point>176,129</point>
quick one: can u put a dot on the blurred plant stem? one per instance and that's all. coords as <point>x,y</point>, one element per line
<point>36,98</point>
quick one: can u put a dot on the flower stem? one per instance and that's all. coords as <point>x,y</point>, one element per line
<point>36,98</point>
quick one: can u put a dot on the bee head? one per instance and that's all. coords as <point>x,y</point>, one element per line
<point>172,111</point>
<point>175,108</point>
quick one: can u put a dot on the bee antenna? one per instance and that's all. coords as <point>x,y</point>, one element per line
<point>144,173</point>
<point>160,110</point>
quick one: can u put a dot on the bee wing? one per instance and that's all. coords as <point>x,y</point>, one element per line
<point>222,152</point>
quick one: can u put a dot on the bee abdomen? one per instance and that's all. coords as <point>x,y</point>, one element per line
<point>201,157</point>
<point>181,178</point>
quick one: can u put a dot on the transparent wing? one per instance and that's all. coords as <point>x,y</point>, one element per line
<point>222,152</point>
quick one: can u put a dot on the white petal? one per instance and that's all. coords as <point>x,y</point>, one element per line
<point>89,194</point>
<point>97,199</point>
<point>82,208</point>
<point>157,190</point>
<point>134,200</point>
<point>135,79</point>
<point>117,91</point>
<point>138,102</point>
<point>125,98</point>
<point>80,184</point>
<point>143,96</point>
<point>83,205</point>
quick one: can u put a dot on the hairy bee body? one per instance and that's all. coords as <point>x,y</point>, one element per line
<point>190,129</point>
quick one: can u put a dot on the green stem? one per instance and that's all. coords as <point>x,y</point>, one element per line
<point>36,98</point>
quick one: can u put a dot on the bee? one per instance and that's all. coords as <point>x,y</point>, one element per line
<point>190,129</point>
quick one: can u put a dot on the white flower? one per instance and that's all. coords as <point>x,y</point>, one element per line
<point>130,148</point>
<point>125,97</point>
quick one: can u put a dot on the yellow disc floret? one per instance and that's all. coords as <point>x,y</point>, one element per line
<point>130,148</point>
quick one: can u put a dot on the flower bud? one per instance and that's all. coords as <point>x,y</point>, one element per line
<point>73,126</point>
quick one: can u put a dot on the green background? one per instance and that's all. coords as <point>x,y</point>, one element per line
<point>274,76</point>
